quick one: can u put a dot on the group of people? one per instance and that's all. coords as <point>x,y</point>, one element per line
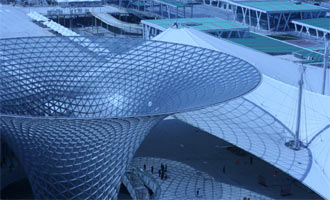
<point>162,172</point>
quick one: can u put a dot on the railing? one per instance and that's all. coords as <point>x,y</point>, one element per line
<point>142,178</point>
<point>125,180</point>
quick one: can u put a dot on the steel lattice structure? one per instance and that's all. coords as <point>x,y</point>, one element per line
<point>75,109</point>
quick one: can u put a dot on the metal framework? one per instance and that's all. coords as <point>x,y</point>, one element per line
<point>261,122</point>
<point>167,8</point>
<point>272,46</point>
<point>109,20</point>
<point>75,109</point>
<point>215,26</point>
<point>302,26</point>
<point>78,3</point>
<point>273,20</point>
<point>223,4</point>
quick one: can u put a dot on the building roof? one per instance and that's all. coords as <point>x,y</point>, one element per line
<point>274,67</point>
<point>318,23</point>
<point>206,24</point>
<point>270,45</point>
<point>137,3</point>
<point>278,6</point>
<point>14,22</point>
<point>172,3</point>
<point>117,77</point>
<point>263,120</point>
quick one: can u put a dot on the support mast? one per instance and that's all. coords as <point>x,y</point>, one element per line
<point>297,142</point>
<point>325,65</point>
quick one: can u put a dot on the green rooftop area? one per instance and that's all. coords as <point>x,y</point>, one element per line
<point>203,24</point>
<point>173,3</point>
<point>317,48</point>
<point>319,22</point>
<point>273,46</point>
<point>137,3</point>
<point>279,6</point>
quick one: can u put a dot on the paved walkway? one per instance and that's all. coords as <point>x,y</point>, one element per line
<point>183,182</point>
<point>242,123</point>
<point>112,21</point>
<point>175,140</point>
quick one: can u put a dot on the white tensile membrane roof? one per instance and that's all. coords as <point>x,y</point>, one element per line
<point>51,24</point>
<point>263,120</point>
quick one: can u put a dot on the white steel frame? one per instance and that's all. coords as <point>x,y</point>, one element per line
<point>285,16</point>
<point>301,27</point>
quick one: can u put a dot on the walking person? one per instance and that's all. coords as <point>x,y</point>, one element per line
<point>152,169</point>
<point>162,176</point>
<point>197,192</point>
<point>144,167</point>
<point>162,167</point>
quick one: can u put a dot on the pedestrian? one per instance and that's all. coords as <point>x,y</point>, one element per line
<point>162,167</point>
<point>197,192</point>
<point>175,25</point>
<point>152,169</point>
<point>144,166</point>
<point>224,169</point>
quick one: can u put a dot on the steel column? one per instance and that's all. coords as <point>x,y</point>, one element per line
<point>325,65</point>
<point>250,22</point>
<point>258,19</point>
<point>279,20</point>
<point>296,139</point>
<point>268,22</point>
